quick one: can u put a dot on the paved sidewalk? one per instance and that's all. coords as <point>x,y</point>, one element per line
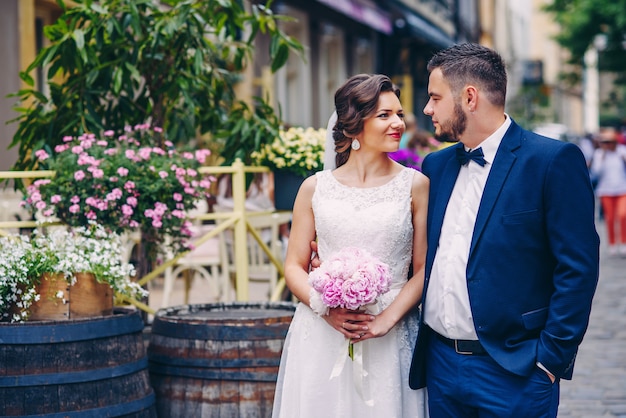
<point>598,388</point>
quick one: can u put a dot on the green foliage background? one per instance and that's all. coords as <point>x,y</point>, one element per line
<point>114,63</point>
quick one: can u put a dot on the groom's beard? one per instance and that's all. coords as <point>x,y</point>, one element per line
<point>452,129</point>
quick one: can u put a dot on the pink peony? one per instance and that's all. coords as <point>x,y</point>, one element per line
<point>350,279</point>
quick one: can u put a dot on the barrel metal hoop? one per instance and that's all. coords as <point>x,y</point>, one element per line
<point>213,362</point>
<point>70,331</point>
<point>90,375</point>
<point>126,408</point>
<point>213,374</point>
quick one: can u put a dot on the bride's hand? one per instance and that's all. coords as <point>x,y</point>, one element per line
<point>378,327</point>
<point>352,324</point>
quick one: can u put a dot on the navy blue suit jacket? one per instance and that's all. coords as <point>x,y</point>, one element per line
<point>534,256</point>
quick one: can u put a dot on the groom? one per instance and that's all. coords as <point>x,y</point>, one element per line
<point>512,261</point>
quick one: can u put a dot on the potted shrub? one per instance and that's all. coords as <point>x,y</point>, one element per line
<point>64,273</point>
<point>133,182</point>
<point>294,155</point>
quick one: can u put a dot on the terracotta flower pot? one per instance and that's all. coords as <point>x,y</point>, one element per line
<point>59,301</point>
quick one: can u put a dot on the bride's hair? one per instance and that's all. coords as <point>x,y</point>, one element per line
<point>355,101</point>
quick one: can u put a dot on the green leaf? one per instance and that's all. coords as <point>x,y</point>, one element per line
<point>280,58</point>
<point>117,81</point>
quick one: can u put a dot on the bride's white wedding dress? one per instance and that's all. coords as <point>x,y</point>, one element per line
<point>316,377</point>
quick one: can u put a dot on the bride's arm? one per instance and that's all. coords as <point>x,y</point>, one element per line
<point>411,293</point>
<point>299,257</point>
<point>298,249</point>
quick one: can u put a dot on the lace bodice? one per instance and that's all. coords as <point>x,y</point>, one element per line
<point>377,219</point>
<point>317,378</point>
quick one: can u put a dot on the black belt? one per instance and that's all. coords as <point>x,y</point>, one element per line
<point>467,347</point>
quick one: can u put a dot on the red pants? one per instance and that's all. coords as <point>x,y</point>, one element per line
<point>614,208</point>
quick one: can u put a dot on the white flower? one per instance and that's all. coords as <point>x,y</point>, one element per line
<point>297,149</point>
<point>65,251</point>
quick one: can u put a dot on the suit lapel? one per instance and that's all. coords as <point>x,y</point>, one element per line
<point>502,164</point>
<point>448,179</point>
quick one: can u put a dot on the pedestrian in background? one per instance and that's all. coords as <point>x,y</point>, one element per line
<point>608,166</point>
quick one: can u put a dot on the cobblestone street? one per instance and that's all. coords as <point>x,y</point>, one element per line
<point>598,388</point>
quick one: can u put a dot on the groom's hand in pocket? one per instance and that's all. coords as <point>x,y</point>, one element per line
<point>315,258</point>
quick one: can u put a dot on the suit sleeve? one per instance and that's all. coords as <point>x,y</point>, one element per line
<point>575,245</point>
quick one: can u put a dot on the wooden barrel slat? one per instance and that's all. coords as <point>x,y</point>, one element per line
<point>217,360</point>
<point>95,367</point>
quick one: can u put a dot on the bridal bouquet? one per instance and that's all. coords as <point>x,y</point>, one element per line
<point>351,278</point>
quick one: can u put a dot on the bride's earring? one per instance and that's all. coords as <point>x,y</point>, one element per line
<point>356,145</point>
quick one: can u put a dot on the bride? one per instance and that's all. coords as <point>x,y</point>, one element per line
<point>372,203</point>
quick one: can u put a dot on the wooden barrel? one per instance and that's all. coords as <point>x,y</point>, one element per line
<point>217,360</point>
<point>95,367</point>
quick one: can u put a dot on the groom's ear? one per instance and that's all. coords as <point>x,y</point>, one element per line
<point>470,98</point>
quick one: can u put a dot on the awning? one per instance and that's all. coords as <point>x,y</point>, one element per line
<point>409,22</point>
<point>364,12</point>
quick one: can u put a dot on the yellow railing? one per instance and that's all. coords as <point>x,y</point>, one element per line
<point>237,220</point>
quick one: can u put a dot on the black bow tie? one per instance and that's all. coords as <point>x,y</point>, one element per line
<point>464,157</point>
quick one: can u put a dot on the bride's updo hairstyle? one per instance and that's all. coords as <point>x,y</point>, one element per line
<point>355,101</point>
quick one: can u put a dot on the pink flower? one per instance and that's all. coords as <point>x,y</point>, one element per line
<point>109,133</point>
<point>61,148</point>
<point>35,197</point>
<point>160,208</point>
<point>177,197</point>
<point>122,171</point>
<point>77,149</point>
<point>145,153</point>
<point>350,279</point>
<point>74,208</point>
<point>55,199</point>
<point>41,155</point>
<point>67,138</point>
<point>75,199</point>
<point>163,174</point>
<point>114,195</point>
<point>79,175</point>
<point>127,211</point>
<point>132,201</point>
<point>202,154</point>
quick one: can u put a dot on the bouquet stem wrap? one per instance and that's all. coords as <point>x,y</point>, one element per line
<point>352,279</point>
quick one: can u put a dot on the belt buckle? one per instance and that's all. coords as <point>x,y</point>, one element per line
<point>456,348</point>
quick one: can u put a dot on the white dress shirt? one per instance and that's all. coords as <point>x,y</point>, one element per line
<point>447,308</point>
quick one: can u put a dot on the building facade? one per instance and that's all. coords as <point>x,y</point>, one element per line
<point>341,38</point>
<point>347,37</point>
